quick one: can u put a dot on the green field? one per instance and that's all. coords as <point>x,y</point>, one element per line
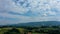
<point>29,30</point>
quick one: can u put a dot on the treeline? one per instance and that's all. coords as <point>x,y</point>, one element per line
<point>31,26</point>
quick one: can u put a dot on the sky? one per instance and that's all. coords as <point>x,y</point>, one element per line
<point>23,11</point>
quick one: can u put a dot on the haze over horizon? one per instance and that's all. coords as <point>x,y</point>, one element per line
<point>22,11</point>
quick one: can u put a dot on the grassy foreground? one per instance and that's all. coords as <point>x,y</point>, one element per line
<point>30,30</point>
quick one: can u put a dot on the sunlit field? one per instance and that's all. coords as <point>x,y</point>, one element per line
<point>30,30</point>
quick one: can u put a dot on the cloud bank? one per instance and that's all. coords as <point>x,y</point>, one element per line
<point>22,11</point>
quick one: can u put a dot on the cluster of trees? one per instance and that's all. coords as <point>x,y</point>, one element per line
<point>41,29</point>
<point>32,26</point>
<point>12,31</point>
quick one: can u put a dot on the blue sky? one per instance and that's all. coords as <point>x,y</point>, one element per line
<point>22,11</point>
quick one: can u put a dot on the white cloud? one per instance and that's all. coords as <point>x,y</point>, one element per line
<point>34,5</point>
<point>41,8</point>
<point>52,13</point>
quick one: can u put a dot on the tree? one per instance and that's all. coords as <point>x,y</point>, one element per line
<point>13,31</point>
<point>54,32</point>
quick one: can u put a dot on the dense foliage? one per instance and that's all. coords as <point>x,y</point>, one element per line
<point>30,30</point>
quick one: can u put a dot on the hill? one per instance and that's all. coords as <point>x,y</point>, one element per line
<point>44,23</point>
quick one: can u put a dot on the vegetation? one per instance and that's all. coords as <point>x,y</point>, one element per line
<point>30,30</point>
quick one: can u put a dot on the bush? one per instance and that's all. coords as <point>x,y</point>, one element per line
<point>13,31</point>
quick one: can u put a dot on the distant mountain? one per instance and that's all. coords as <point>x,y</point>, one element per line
<point>44,23</point>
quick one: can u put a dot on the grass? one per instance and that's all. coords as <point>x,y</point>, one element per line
<point>2,30</point>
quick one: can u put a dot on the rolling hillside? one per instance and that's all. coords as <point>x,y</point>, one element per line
<point>44,23</point>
